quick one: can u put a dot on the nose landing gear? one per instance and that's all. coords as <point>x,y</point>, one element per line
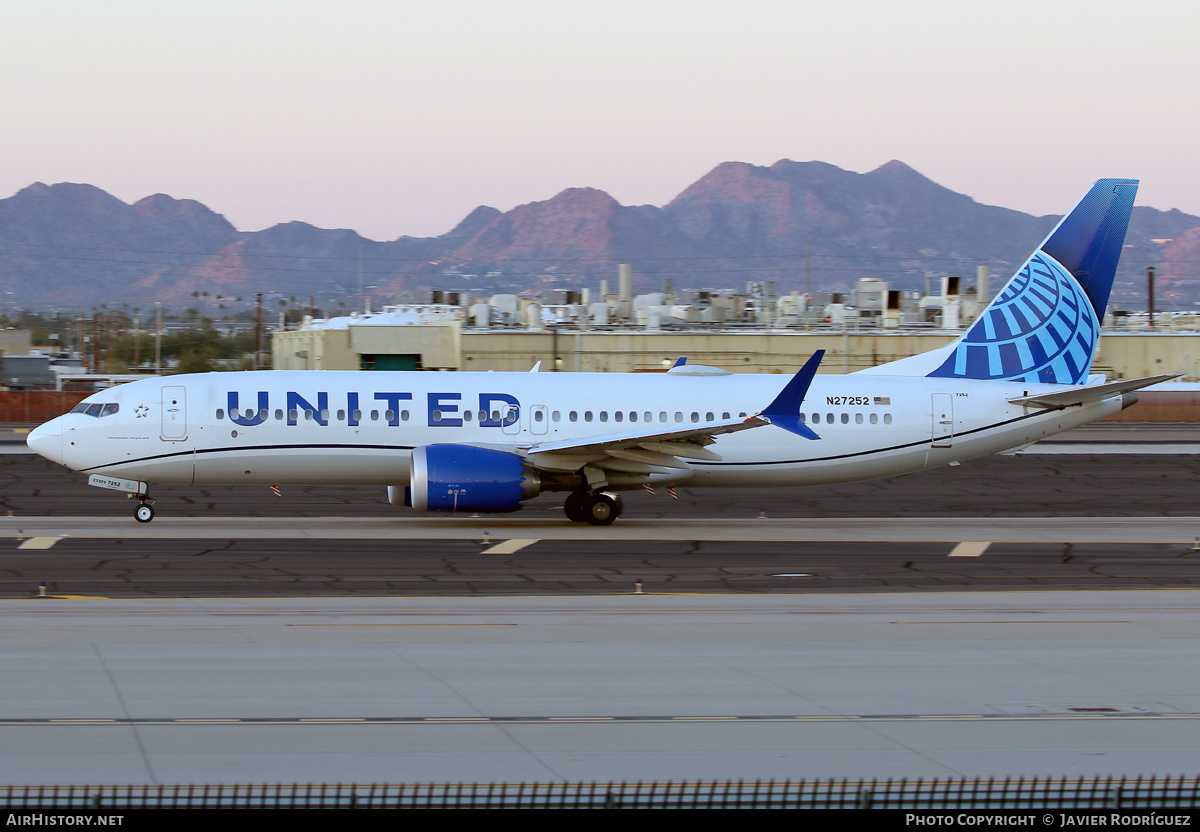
<point>144,512</point>
<point>599,509</point>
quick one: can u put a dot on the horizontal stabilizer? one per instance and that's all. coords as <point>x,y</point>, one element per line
<point>1084,395</point>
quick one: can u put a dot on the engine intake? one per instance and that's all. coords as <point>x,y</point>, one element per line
<point>466,478</point>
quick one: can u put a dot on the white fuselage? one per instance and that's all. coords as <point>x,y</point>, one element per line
<point>361,427</point>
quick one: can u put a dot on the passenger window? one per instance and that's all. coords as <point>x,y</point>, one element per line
<point>495,415</point>
<point>724,415</point>
<point>220,414</point>
<point>678,417</point>
<point>874,418</point>
<point>816,417</point>
<point>263,414</point>
<point>538,416</point>
<point>617,416</point>
<point>292,415</point>
<point>662,416</point>
<point>845,418</point>
<point>341,415</point>
<point>858,418</point>
<point>308,415</point>
<point>708,417</point>
<point>695,417</point>
<point>603,415</point>
<point>278,415</point>
<point>829,418</point>
<point>556,416</point>
<point>573,416</point>
<point>403,415</point>
<point>390,415</point>
<point>587,415</point>
<point>358,415</point>
<point>437,415</point>
<point>467,415</point>
<point>633,415</point>
<point>802,419</point>
<point>374,415</point>
<point>887,418</point>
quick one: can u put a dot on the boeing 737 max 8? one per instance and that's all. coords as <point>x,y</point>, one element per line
<point>486,442</point>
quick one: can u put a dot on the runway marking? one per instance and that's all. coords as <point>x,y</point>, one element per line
<point>39,542</point>
<point>200,722</point>
<point>97,721</point>
<point>507,547</point>
<point>410,624</point>
<point>72,598</point>
<point>969,549</point>
<point>1023,621</point>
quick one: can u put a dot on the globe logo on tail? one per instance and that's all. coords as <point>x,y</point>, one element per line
<point>1041,328</point>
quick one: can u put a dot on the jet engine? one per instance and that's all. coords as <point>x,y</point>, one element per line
<point>466,478</point>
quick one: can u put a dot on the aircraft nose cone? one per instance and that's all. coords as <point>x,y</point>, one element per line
<point>47,440</point>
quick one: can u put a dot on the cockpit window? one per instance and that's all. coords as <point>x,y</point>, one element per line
<point>96,409</point>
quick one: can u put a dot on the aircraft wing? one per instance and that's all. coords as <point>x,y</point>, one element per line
<point>1094,393</point>
<point>664,449</point>
<point>648,450</point>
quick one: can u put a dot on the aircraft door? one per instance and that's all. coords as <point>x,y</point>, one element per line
<point>943,420</point>
<point>174,413</point>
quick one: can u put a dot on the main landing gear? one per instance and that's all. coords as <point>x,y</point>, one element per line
<point>144,513</point>
<point>597,509</point>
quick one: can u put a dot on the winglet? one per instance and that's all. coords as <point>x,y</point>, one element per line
<point>679,362</point>
<point>784,412</point>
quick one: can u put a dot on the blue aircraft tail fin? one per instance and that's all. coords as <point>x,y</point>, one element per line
<point>1089,239</point>
<point>1045,324</point>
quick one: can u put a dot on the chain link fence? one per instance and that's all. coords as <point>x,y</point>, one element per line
<point>937,794</point>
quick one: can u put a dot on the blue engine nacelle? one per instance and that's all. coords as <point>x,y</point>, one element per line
<point>466,478</point>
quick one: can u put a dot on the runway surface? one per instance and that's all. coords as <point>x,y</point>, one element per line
<point>592,688</point>
<point>326,636</point>
<point>1079,521</point>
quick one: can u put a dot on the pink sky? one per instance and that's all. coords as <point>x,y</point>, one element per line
<point>399,118</point>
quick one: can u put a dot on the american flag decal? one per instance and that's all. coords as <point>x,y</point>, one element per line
<point>883,400</point>
<point>275,490</point>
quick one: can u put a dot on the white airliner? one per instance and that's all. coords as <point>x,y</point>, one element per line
<point>486,442</point>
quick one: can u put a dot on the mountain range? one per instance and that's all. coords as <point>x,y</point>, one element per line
<point>804,225</point>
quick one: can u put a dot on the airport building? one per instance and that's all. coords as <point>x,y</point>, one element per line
<point>507,334</point>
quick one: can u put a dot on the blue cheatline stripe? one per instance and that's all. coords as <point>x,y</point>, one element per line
<point>923,442</point>
<point>204,451</point>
